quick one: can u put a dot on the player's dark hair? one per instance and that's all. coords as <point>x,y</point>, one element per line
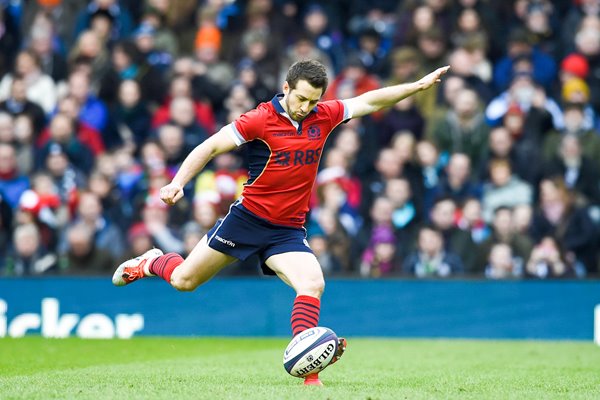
<point>311,71</point>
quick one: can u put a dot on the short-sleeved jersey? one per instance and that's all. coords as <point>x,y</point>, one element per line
<point>284,157</point>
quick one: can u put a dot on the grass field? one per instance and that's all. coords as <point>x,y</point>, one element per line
<point>169,368</point>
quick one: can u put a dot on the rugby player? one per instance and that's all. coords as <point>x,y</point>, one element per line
<point>285,139</point>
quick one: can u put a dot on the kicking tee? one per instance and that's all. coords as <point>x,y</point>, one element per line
<point>284,157</point>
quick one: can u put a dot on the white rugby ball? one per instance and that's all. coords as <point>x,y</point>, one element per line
<point>310,351</point>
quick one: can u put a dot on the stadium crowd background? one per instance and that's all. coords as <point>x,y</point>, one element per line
<point>494,174</point>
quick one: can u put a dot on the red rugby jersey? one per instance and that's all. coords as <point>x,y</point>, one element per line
<point>284,157</point>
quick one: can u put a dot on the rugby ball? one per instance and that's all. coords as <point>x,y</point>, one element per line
<point>310,351</point>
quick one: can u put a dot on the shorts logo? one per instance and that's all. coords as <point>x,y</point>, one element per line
<point>225,241</point>
<point>313,132</point>
<point>306,243</point>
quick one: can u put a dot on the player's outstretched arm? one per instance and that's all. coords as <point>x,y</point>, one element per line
<point>378,99</point>
<point>220,142</point>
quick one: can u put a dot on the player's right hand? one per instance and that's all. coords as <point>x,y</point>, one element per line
<point>171,193</point>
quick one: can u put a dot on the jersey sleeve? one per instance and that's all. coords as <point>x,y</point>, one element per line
<point>337,110</point>
<point>247,127</point>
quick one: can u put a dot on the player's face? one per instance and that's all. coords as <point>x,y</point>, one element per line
<point>300,100</point>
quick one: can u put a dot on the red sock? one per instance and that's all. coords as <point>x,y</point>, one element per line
<point>164,266</point>
<point>305,314</point>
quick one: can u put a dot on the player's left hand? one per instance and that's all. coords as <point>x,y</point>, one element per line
<point>432,78</point>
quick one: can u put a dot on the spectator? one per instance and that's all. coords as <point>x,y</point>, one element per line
<point>519,45</point>
<point>62,134</point>
<point>9,41</point>
<point>92,110</point>
<point>471,66</point>
<point>48,47</point>
<point>470,219</point>
<point>45,208</point>
<point>122,22</point>
<point>317,24</point>
<point>559,217</point>
<point>145,42</point>
<point>29,258</point>
<point>129,63</point>
<point>155,217</point>
<point>578,171</point>
<point>114,206</point>
<point>372,49</point>
<point>303,48</point>
<point>139,239</point>
<point>24,133</point>
<point>12,183</point>
<point>131,117</point>
<point>17,104</point>
<point>248,77</point>
<point>404,116</point>
<point>574,124</point>
<point>524,159</point>
<point>89,136</point>
<point>82,257</point>
<point>587,42</point>
<point>66,178</point>
<point>430,259</point>
<point>40,88</point>
<point>90,55</point>
<point>463,129</point>
<point>106,233</point>
<point>181,86</point>
<point>182,113</point>
<point>539,111</point>
<point>387,166</point>
<point>172,140</point>
<point>457,182</point>
<point>522,217</point>
<point>503,189</point>
<point>354,80</point>
<point>210,71</point>
<point>164,38</point>
<point>547,261</point>
<point>502,264</point>
<point>455,241</point>
<point>379,258</point>
<point>505,232</point>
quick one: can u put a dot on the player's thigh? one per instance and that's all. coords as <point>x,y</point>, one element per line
<point>201,265</point>
<point>300,270</point>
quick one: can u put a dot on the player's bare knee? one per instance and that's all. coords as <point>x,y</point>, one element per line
<point>312,287</point>
<point>183,284</point>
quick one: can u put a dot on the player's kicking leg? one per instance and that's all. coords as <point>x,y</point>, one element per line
<point>302,271</point>
<point>185,275</point>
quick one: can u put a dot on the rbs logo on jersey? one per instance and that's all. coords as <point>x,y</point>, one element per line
<point>298,157</point>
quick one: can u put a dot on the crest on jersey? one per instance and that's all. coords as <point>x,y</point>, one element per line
<point>313,132</point>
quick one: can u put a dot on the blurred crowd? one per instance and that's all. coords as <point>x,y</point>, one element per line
<point>494,173</point>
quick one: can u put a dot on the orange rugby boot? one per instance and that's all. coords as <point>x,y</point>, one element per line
<point>133,269</point>
<point>313,379</point>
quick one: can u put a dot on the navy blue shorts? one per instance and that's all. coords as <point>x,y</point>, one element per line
<point>242,234</point>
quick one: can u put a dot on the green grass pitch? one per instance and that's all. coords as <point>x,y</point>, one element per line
<point>215,368</point>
